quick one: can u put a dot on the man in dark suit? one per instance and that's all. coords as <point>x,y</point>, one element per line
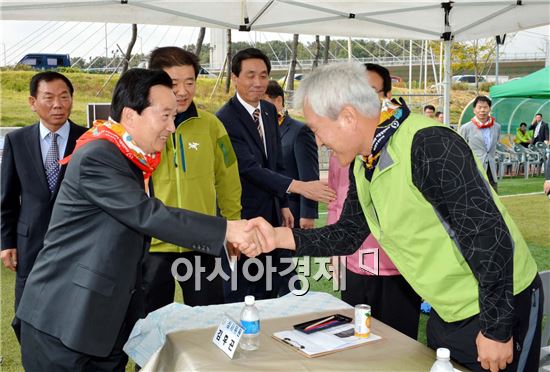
<point>252,126</point>
<point>300,157</point>
<point>541,133</point>
<point>84,292</point>
<point>31,175</point>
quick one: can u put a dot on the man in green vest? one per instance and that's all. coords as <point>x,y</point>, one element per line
<point>417,187</point>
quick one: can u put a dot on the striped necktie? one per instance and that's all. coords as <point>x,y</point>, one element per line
<point>52,162</point>
<point>256,118</point>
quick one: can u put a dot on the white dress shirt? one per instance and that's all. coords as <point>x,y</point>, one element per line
<point>46,140</point>
<point>250,110</point>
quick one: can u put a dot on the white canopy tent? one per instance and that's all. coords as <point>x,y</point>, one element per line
<point>403,19</point>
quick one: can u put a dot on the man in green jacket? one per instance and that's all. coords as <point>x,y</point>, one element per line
<point>417,187</point>
<point>198,171</point>
<point>524,137</point>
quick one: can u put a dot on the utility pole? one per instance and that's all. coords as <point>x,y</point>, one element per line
<point>106,47</point>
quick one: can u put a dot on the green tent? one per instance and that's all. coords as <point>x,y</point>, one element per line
<point>535,85</point>
<point>518,101</point>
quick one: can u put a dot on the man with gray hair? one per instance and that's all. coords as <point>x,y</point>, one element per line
<point>416,186</point>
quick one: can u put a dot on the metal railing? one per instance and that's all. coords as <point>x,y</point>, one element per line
<point>392,61</point>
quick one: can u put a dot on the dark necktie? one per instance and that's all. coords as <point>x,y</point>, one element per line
<point>52,162</point>
<point>256,118</point>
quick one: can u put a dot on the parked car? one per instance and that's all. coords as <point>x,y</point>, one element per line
<point>205,73</point>
<point>45,61</point>
<point>297,77</point>
<point>467,79</point>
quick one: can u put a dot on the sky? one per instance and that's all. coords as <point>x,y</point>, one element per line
<point>88,40</point>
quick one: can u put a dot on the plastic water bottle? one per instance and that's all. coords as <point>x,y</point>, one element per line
<point>443,362</point>
<point>250,321</point>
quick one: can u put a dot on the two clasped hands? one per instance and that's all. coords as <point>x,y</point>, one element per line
<point>256,236</point>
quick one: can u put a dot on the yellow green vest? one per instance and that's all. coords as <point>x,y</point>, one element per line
<point>417,240</point>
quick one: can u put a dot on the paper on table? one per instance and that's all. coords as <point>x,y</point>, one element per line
<point>323,341</point>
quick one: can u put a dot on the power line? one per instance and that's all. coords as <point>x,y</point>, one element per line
<point>38,41</point>
<point>31,34</point>
<point>96,32</point>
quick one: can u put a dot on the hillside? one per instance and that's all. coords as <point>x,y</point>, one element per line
<point>15,110</point>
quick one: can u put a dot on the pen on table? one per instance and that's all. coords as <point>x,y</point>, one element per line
<point>319,322</point>
<point>324,325</point>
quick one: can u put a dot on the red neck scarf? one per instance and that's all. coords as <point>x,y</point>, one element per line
<point>115,133</point>
<point>488,124</point>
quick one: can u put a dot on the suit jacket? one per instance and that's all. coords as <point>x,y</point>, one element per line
<point>25,199</point>
<point>80,287</point>
<point>301,162</point>
<point>543,134</point>
<point>473,136</point>
<point>263,184</point>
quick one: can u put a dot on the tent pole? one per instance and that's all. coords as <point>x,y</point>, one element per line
<point>410,64</point>
<point>496,63</point>
<point>499,41</point>
<point>447,83</point>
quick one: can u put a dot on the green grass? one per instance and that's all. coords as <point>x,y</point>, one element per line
<point>520,185</point>
<point>15,111</point>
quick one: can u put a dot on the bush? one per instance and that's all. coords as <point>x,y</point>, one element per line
<point>461,86</point>
<point>485,86</point>
<point>64,70</point>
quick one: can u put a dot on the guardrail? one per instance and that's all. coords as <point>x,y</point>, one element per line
<point>392,61</point>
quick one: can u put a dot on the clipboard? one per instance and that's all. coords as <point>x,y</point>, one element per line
<point>324,342</point>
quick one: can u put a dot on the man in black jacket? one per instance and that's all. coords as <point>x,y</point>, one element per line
<point>84,292</point>
<point>31,175</point>
<point>540,129</point>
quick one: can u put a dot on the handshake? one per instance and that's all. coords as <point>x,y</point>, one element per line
<point>252,237</point>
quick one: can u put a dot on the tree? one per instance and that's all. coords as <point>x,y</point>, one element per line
<point>317,52</point>
<point>200,39</point>
<point>131,44</point>
<point>292,70</point>
<point>327,49</point>
<point>474,56</point>
<point>229,55</point>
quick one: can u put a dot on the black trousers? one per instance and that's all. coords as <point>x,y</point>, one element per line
<point>460,337</point>
<point>492,181</point>
<point>281,278</point>
<point>160,285</point>
<point>43,352</point>
<point>391,298</point>
<point>19,286</point>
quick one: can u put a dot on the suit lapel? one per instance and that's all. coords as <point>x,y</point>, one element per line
<point>285,126</point>
<point>248,122</point>
<point>35,154</point>
<point>71,142</point>
<point>270,124</point>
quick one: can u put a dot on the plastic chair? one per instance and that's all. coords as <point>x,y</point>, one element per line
<point>506,158</point>
<point>504,161</point>
<point>528,158</point>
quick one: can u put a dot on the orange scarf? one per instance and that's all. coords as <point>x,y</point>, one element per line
<point>115,133</point>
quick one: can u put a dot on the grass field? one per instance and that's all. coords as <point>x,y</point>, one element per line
<point>530,212</point>
<point>91,88</point>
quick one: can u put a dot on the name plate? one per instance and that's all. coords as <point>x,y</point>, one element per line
<point>228,335</point>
